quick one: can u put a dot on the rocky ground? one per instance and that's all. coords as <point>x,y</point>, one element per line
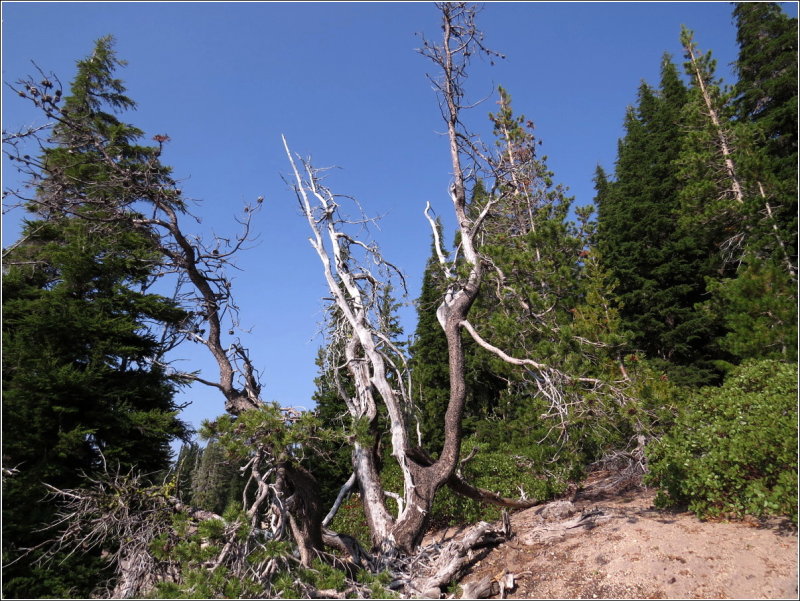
<point>605,544</point>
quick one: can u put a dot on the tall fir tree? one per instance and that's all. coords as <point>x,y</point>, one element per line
<point>766,91</point>
<point>766,112</point>
<point>525,305</point>
<point>727,206</point>
<point>758,302</point>
<point>82,384</point>
<point>660,268</point>
<point>430,387</point>
<point>711,191</point>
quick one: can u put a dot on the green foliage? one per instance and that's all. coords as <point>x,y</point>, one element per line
<point>76,576</point>
<point>507,469</point>
<point>756,299</point>
<point>733,449</point>
<point>216,482</point>
<point>711,207</point>
<point>201,583</point>
<point>269,426</point>
<point>332,466</point>
<point>351,519</point>
<point>767,91</point>
<point>660,266</point>
<point>82,339</point>
<point>429,360</point>
<point>759,306</point>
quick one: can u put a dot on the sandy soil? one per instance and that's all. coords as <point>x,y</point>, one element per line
<point>631,550</point>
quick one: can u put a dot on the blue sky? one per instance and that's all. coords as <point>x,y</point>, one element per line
<point>343,82</point>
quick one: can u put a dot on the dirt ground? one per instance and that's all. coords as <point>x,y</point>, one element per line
<point>616,545</point>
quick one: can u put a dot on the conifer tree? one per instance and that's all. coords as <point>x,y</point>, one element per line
<point>216,481</point>
<point>83,387</point>
<point>331,462</point>
<point>766,92</point>
<point>712,193</point>
<point>429,370</point>
<point>534,254</point>
<point>758,301</point>
<point>333,465</point>
<point>766,110</point>
<point>660,268</point>
<point>728,207</point>
<point>186,465</point>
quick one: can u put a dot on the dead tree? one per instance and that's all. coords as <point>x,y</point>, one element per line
<point>353,284</point>
<point>700,71</point>
<point>353,270</point>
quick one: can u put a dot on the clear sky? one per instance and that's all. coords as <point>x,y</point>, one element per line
<point>343,82</point>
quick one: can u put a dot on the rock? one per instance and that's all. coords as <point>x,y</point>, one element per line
<point>557,510</point>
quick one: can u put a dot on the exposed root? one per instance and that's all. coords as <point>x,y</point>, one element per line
<point>438,564</point>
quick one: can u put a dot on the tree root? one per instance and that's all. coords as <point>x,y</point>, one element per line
<point>444,563</point>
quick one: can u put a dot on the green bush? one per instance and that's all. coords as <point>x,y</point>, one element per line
<point>508,470</point>
<point>733,450</point>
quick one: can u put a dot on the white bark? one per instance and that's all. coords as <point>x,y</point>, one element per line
<point>365,361</point>
<point>713,113</point>
<point>776,232</point>
<point>725,150</point>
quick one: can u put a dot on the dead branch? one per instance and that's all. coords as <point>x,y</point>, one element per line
<point>453,557</point>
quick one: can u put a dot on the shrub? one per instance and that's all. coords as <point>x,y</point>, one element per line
<point>733,449</point>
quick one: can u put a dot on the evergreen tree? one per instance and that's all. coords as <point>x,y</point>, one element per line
<point>767,90</point>
<point>82,385</point>
<point>766,109</point>
<point>756,299</point>
<point>711,192</point>
<point>429,359</point>
<point>216,481</point>
<point>660,268</point>
<point>525,306</point>
<point>429,367</point>
<point>333,465</point>
<point>331,461</point>
<point>186,465</point>
<point>759,303</point>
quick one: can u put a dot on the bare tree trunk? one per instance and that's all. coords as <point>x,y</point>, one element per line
<point>776,232</point>
<point>722,137</point>
<point>726,151</point>
<point>352,285</point>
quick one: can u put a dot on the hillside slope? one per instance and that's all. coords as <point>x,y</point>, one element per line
<point>606,544</point>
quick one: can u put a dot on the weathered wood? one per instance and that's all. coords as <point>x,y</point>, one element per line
<point>480,589</point>
<point>454,557</point>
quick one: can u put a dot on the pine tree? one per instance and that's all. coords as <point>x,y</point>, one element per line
<point>712,193</point>
<point>333,465</point>
<point>534,253</point>
<point>331,459</point>
<point>767,86</point>
<point>82,385</point>
<point>183,471</point>
<point>766,110</point>
<point>546,297</point>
